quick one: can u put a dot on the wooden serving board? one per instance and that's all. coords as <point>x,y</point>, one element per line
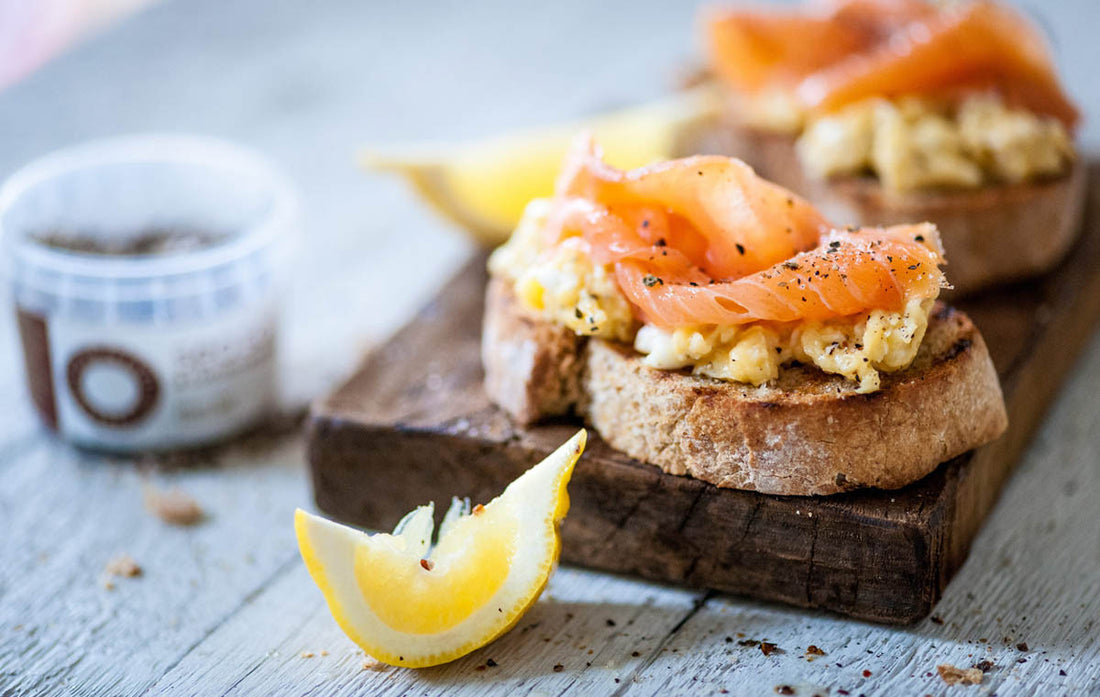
<point>414,425</point>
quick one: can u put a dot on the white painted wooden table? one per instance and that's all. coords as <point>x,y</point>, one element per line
<point>227,608</point>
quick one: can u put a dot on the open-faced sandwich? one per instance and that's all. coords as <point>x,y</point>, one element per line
<point>888,111</point>
<point>716,325</point>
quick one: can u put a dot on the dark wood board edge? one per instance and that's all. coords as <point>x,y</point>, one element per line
<point>635,520</point>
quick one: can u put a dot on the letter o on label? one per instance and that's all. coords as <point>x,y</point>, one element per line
<point>145,381</point>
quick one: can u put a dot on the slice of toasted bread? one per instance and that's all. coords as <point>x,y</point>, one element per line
<point>807,433</point>
<point>993,235</point>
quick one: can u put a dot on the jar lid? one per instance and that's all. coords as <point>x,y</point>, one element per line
<point>235,202</point>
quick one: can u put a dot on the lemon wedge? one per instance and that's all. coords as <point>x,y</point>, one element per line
<point>484,186</point>
<point>409,603</point>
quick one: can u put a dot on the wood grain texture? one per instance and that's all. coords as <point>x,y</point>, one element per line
<point>65,516</point>
<point>589,624</point>
<point>415,424</point>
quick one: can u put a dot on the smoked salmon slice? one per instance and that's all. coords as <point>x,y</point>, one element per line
<point>705,241</point>
<point>849,273</point>
<point>757,48</point>
<point>741,223</point>
<point>977,46</point>
<point>857,49</point>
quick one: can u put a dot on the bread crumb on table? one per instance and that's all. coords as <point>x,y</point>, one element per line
<point>960,676</point>
<point>174,506</point>
<point>123,565</point>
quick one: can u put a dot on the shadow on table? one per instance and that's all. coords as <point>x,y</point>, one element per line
<point>250,448</point>
<point>615,640</point>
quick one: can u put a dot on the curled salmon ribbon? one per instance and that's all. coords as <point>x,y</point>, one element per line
<point>703,240</point>
<point>835,52</point>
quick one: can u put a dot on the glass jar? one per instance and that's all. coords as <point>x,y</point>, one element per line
<point>146,273</point>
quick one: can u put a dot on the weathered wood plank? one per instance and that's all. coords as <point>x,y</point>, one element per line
<point>589,625</point>
<point>66,515</point>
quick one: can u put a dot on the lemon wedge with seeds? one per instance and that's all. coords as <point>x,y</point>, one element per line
<point>407,602</point>
<point>484,186</point>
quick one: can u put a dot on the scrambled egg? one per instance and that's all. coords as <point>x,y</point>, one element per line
<point>857,348</point>
<point>913,143</point>
<point>564,285</point>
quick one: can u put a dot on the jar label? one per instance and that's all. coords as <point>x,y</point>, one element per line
<point>130,387</point>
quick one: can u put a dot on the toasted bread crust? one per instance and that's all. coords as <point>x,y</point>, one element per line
<point>532,368</point>
<point>992,236</point>
<point>808,433</point>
